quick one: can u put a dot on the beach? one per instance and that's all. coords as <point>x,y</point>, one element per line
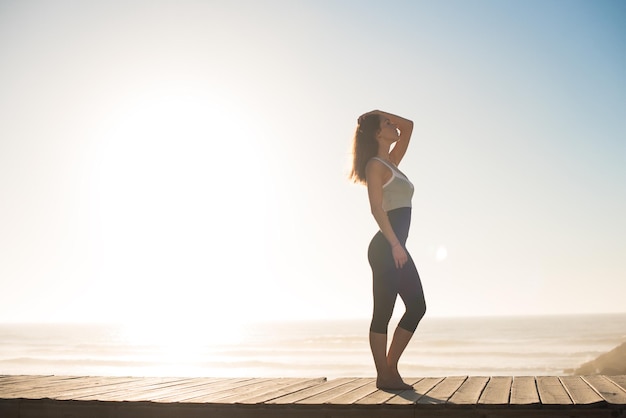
<point>483,346</point>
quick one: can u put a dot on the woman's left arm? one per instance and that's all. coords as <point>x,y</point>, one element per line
<point>405,127</point>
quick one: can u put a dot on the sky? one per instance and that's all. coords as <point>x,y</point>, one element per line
<point>187,161</point>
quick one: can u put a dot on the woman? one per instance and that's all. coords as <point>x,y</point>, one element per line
<point>394,273</point>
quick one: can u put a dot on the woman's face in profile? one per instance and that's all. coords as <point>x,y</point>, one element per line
<point>388,130</point>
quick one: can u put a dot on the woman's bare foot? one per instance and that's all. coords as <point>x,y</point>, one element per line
<point>392,383</point>
<point>394,379</point>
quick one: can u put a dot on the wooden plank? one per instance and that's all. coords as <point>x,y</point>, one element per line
<point>93,387</point>
<point>336,392</point>
<point>21,379</point>
<point>580,392</point>
<point>26,385</point>
<point>497,391</point>
<point>352,396</point>
<point>551,391</point>
<point>443,391</point>
<point>619,380</point>
<point>120,392</point>
<point>230,391</point>
<point>190,393</point>
<point>420,389</point>
<point>382,396</point>
<point>470,391</point>
<point>105,390</point>
<point>524,391</point>
<point>117,392</point>
<point>45,388</point>
<point>171,389</point>
<point>295,387</point>
<point>258,389</point>
<point>610,391</point>
<point>307,393</point>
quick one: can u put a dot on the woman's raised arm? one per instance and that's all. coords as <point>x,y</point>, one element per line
<point>405,127</point>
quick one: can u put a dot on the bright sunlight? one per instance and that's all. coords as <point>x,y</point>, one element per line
<point>172,207</point>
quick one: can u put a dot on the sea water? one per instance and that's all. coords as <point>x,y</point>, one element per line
<point>539,345</point>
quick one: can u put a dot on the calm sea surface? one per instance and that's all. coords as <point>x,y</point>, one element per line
<point>442,346</point>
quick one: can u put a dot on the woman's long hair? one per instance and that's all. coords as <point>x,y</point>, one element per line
<point>364,146</point>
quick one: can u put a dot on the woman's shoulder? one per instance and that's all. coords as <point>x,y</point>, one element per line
<point>376,159</point>
<point>376,163</point>
<point>378,167</point>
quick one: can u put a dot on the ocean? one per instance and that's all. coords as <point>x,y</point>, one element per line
<point>488,346</point>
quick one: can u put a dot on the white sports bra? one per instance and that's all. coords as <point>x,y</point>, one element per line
<point>398,191</point>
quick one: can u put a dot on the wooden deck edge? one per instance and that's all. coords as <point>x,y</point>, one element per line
<point>453,397</point>
<point>50,408</point>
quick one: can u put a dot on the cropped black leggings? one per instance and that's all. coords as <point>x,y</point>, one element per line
<point>390,281</point>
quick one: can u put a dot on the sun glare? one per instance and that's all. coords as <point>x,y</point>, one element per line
<point>167,206</point>
<point>442,253</point>
<point>175,336</point>
<point>178,346</point>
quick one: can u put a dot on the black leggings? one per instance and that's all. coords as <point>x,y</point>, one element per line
<point>389,281</point>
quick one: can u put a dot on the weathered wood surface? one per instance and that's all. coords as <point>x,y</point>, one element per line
<point>455,396</point>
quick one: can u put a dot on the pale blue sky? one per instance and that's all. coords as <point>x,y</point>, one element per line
<point>187,161</point>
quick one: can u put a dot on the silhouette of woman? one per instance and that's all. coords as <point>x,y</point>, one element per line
<point>375,164</point>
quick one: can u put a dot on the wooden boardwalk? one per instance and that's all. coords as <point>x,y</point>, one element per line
<point>474,396</point>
